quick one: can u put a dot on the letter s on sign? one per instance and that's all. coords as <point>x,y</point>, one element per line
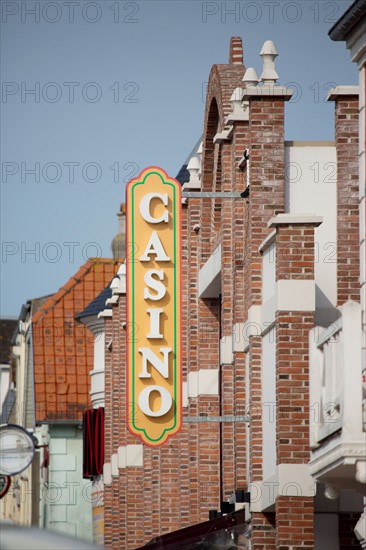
<point>151,282</point>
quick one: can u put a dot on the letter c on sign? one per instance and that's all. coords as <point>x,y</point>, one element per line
<point>145,207</point>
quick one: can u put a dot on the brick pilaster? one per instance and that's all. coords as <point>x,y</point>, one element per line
<point>348,252</point>
<point>295,523</point>
<point>108,436</point>
<point>294,264</point>
<point>266,199</point>
<point>217,478</point>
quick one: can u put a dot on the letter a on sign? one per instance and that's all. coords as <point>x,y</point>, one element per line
<point>153,258</point>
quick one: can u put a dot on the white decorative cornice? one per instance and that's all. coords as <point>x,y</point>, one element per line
<point>240,112</point>
<point>325,458</point>
<point>105,313</point>
<point>267,91</point>
<point>223,136</point>
<point>118,285</point>
<point>339,91</point>
<point>93,323</point>
<point>267,241</point>
<point>112,301</point>
<point>294,219</point>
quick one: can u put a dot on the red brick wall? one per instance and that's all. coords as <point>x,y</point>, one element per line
<point>265,531</point>
<point>181,481</point>
<point>294,261</point>
<point>108,435</point>
<point>348,256</point>
<point>295,523</point>
<point>266,199</point>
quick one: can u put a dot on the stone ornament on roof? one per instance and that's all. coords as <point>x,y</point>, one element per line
<point>119,241</point>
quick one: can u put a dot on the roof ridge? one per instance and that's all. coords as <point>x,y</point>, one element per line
<point>68,286</point>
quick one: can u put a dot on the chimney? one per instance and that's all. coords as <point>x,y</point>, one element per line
<point>236,50</point>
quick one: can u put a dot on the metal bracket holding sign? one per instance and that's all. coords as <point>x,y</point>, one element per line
<point>212,195</point>
<point>228,418</point>
<point>154,373</point>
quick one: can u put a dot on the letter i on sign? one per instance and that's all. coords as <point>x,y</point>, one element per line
<point>154,242</point>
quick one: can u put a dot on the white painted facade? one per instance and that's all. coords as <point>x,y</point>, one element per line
<point>269,403</point>
<point>311,186</point>
<point>67,504</point>
<point>17,504</point>
<point>4,381</point>
<point>54,497</point>
<point>338,355</point>
<point>97,393</point>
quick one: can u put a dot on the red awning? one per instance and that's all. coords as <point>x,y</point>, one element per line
<point>93,444</point>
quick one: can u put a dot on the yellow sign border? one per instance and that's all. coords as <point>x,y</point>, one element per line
<point>141,431</point>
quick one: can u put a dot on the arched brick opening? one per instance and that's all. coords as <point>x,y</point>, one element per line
<point>222,82</point>
<point>208,177</point>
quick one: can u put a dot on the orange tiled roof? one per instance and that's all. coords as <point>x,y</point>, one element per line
<point>62,348</point>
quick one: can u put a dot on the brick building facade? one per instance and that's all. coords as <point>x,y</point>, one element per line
<point>263,264</point>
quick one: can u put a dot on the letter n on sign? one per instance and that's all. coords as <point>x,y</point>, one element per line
<point>153,258</point>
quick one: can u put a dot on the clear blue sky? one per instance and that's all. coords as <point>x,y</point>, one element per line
<point>120,86</point>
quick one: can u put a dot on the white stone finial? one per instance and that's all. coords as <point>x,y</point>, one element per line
<point>115,283</point>
<point>269,54</point>
<point>193,169</point>
<point>250,77</point>
<point>236,100</point>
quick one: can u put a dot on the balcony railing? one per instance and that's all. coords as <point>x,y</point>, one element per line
<point>336,426</point>
<point>326,405</point>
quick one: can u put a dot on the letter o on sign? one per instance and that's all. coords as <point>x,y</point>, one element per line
<point>144,401</point>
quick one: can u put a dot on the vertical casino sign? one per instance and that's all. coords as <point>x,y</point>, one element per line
<point>153,258</point>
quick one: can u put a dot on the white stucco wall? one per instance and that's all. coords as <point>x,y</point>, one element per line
<point>4,382</point>
<point>68,501</point>
<point>97,384</point>
<point>269,402</point>
<point>311,180</point>
<point>269,273</point>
